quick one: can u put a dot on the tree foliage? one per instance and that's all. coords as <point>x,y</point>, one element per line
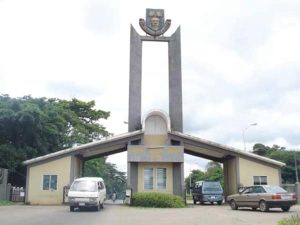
<point>288,172</point>
<point>214,172</point>
<point>31,127</point>
<point>114,179</point>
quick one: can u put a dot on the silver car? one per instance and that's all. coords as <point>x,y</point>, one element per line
<point>263,197</point>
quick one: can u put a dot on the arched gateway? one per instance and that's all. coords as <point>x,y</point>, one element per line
<point>155,145</point>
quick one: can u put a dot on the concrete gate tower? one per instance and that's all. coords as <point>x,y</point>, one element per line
<point>155,163</point>
<point>155,26</point>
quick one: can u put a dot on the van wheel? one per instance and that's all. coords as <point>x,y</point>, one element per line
<point>220,202</point>
<point>72,208</point>
<point>102,205</point>
<point>97,208</point>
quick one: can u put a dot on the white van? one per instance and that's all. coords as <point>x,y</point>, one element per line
<point>87,192</point>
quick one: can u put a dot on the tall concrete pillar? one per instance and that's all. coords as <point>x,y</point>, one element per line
<point>135,81</point>
<point>132,176</point>
<point>178,179</point>
<point>297,190</point>
<point>175,84</point>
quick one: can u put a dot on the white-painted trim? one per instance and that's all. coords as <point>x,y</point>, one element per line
<point>259,179</point>
<point>157,112</point>
<point>50,190</point>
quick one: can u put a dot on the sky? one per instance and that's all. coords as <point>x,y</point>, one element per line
<point>240,63</point>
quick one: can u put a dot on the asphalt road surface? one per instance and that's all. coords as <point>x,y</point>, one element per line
<point>114,214</point>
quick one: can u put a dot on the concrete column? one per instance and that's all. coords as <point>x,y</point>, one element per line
<point>297,190</point>
<point>27,183</point>
<point>3,184</point>
<point>175,84</point>
<point>132,176</point>
<point>72,176</point>
<point>178,179</point>
<point>135,81</point>
<point>226,179</point>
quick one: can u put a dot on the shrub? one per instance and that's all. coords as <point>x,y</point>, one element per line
<point>294,220</point>
<point>157,200</point>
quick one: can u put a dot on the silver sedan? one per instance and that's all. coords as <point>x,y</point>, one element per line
<point>263,197</point>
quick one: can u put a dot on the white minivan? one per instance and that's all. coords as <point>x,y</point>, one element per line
<point>87,192</point>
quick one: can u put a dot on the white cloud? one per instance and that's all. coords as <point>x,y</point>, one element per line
<point>240,62</point>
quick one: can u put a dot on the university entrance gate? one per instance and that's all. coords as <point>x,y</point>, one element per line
<point>155,145</point>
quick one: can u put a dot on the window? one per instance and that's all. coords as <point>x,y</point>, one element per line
<point>148,178</point>
<point>248,190</point>
<point>161,178</point>
<point>100,185</point>
<point>49,182</point>
<point>260,180</point>
<point>258,189</point>
<point>157,176</point>
<point>84,185</point>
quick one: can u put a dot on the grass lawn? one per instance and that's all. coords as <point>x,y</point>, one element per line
<point>5,202</point>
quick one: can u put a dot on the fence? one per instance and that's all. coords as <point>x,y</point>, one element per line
<point>17,194</point>
<point>289,187</point>
<point>295,188</point>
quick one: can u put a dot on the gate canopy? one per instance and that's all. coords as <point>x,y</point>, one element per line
<point>104,147</point>
<point>119,143</point>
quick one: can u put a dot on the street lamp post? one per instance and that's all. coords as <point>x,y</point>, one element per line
<point>250,125</point>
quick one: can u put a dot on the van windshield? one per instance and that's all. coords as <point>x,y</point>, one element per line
<point>212,186</point>
<point>84,185</point>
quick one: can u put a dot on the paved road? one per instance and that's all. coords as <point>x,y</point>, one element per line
<point>114,214</point>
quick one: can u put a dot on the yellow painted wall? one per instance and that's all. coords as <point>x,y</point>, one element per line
<point>143,165</point>
<point>248,169</point>
<point>59,167</point>
<point>155,140</point>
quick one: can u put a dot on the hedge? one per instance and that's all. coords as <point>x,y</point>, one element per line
<point>157,200</point>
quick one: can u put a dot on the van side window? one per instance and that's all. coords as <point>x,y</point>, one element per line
<point>100,185</point>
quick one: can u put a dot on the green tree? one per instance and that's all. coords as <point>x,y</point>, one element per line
<point>195,175</point>
<point>114,179</point>
<point>31,127</point>
<point>214,172</point>
<point>288,173</point>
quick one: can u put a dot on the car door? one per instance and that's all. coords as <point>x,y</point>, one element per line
<point>246,197</point>
<point>259,193</point>
<point>254,196</point>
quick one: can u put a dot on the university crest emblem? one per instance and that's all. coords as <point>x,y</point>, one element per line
<point>155,24</point>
